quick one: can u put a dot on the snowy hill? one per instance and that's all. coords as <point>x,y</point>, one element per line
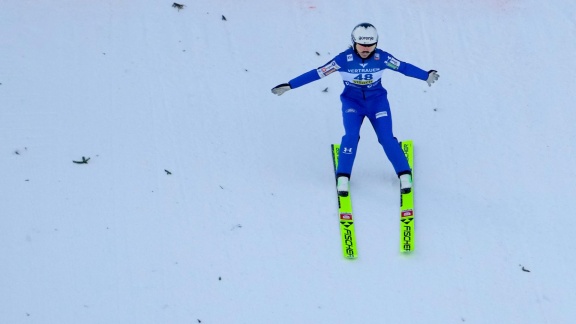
<point>206,199</point>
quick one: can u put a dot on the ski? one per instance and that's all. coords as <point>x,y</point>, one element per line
<point>347,233</point>
<point>407,205</point>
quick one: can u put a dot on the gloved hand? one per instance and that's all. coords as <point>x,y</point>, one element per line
<point>281,88</point>
<point>432,76</point>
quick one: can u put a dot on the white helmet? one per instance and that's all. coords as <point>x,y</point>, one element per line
<point>364,34</point>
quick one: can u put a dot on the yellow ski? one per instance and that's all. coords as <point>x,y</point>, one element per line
<point>347,233</point>
<point>407,205</point>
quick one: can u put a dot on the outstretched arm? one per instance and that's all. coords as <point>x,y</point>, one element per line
<point>298,81</point>
<point>412,70</point>
<point>416,72</point>
<point>307,77</point>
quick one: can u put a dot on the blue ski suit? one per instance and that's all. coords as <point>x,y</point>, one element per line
<point>364,96</point>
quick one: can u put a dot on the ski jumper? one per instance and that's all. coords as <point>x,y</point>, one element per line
<point>364,96</point>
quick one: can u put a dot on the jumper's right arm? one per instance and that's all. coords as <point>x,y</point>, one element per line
<point>306,78</point>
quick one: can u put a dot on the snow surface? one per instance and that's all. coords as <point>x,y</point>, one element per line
<point>244,229</point>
